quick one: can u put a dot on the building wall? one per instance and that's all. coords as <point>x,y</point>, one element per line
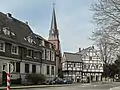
<point>90,69</point>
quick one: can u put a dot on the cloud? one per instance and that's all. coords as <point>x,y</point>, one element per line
<point>73,17</point>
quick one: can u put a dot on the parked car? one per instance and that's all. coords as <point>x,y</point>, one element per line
<point>59,81</point>
<point>67,81</point>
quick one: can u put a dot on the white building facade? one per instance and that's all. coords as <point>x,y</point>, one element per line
<point>92,64</point>
<point>27,51</point>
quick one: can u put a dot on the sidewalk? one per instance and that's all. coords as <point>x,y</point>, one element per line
<point>39,86</point>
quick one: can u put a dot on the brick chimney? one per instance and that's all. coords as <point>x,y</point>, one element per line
<point>79,49</point>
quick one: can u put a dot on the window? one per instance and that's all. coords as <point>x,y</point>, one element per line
<point>30,40</point>
<point>26,68</point>
<point>36,55</point>
<point>33,68</point>
<point>48,70</point>
<point>6,31</point>
<point>29,53</point>
<point>90,58</point>
<point>12,33</point>
<point>43,53</point>
<point>52,70</point>
<point>2,46</point>
<point>52,56</point>
<point>17,67</point>
<point>48,55</point>
<point>3,67</point>
<point>74,65</point>
<point>84,66</point>
<point>96,66</point>
<point>40,42</point>
<point>14,49</point>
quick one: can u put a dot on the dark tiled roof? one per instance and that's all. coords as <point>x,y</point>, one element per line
<point>20,29</point>
<point>74,57</point>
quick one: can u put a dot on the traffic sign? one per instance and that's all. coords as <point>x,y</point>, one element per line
<point>116,76</point>
<point>8,67</point>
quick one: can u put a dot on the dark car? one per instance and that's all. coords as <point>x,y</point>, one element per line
<point>51,82</point>
<point>59,81</point>
<point>67,81</point>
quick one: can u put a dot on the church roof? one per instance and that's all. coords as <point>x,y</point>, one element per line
<point>53,22</point>
<point>53,33</point>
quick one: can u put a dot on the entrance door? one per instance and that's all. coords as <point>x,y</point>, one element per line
<point>88,79</point>
<point>96,78</point>
<point>78,80</point>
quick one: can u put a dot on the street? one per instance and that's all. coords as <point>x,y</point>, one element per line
<point>92,86</point>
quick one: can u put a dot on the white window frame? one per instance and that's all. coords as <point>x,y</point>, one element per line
<point>2,50</point>
<point>37,55</point>
<point>52,56</point>
<point>13,45</point>
<point>48,54</point>
<point>6,31</point>
<point>43,53</point>
<point>31,53</point>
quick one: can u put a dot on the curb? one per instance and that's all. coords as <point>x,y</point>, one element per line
<point>38,86</point>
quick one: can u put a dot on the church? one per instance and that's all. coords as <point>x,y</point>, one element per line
<point>27,51</point>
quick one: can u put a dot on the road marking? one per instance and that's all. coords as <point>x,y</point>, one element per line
<point>94,85</point>
<point>86,84</point>
<point>115,88</point>
<point>83,86</point>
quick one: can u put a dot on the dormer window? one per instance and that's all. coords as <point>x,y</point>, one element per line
<point>30,40</point>
<point>6,31</point>
<point>25,39</point>
<point>12,33</point>
<point>14,49</point>
<point>2,46</point>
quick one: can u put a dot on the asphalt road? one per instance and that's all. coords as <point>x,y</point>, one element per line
<point>92,86</point>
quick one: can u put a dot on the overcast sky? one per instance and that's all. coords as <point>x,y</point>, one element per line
<point>73,18</point>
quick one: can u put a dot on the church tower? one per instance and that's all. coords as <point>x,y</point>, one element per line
<point>54,39</point>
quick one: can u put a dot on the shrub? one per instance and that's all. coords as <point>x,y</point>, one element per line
<point>35,78</point>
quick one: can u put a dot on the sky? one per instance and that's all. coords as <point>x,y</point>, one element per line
<point>73,19</point>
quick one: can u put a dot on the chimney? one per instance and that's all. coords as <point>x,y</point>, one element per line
<point>26,22</point>
<point>9,15</point>
<point>79,49</point>
<point>93,47</point>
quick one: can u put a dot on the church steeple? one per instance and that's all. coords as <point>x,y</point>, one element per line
<point>54,39</point>
<point>53,33</point>
<point>53,22</point>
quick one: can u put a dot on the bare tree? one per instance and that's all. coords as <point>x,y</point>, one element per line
<point>107,34</point>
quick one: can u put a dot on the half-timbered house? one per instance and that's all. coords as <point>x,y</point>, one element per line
<point>72,66</point>
<point>83,66</point>
<point>92,64</point>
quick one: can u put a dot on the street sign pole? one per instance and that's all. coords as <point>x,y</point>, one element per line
<point>8,76</point>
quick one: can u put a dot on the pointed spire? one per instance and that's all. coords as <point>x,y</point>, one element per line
<point>53,22</point>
